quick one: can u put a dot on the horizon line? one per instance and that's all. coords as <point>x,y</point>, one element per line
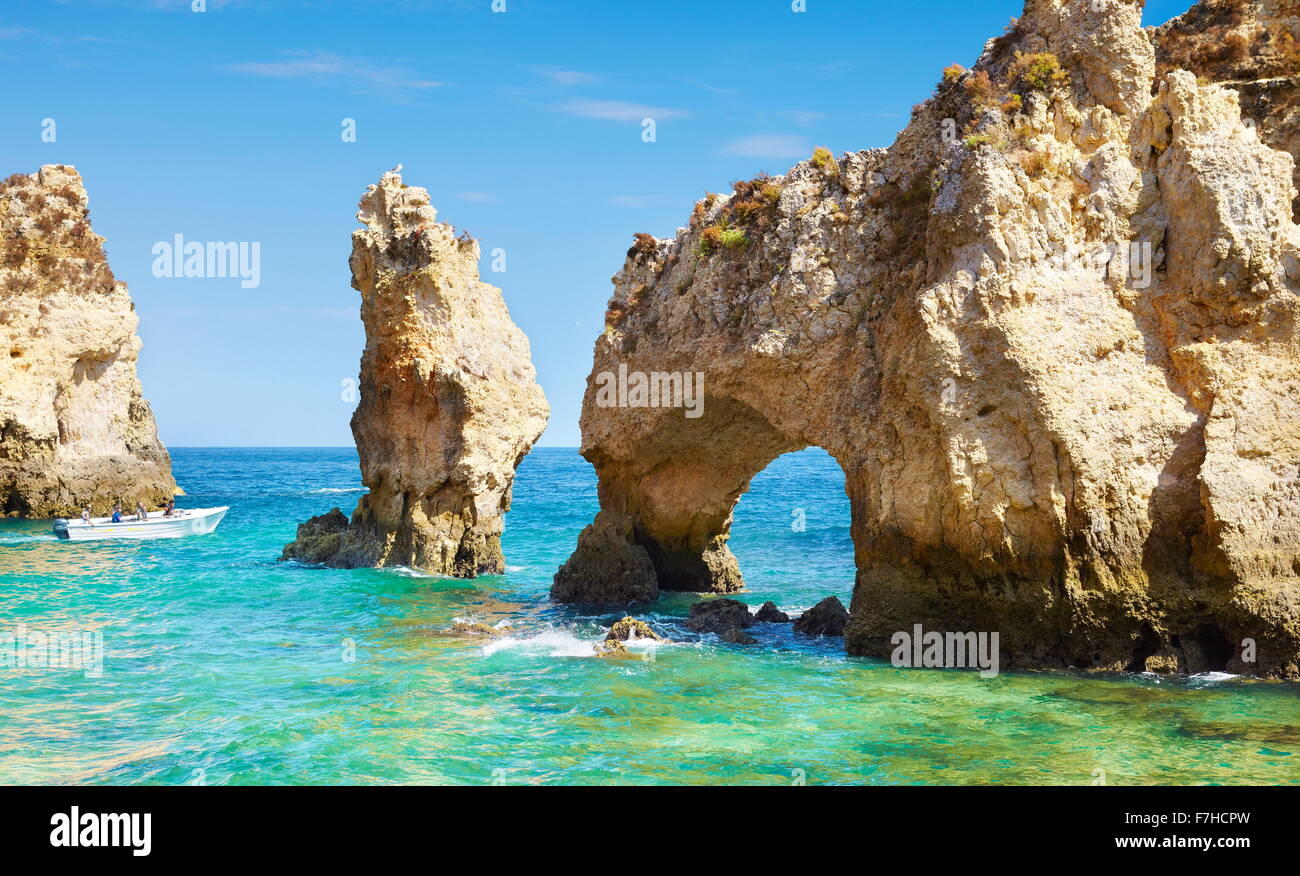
<point>317,447</point>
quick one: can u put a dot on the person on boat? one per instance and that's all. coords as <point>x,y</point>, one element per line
<point>117,512</point>
<point>170,511</point>
<point>85,514</point>
<point>140,512</point>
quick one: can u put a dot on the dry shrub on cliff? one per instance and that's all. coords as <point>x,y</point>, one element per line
<point>710,239</point>
<point>16,251</point>
<point>1206,41</point>
<point>1035,162</point>
<point>753,204</point>
<point>1287,50</point>
<point>702,208</point>
<point>643,245</point>
<point>734,238</point>
<point>761,190</point>
<point>751,209</point>
<point>823,158</point>
<point>1038,71</point>
<point>982,91</point>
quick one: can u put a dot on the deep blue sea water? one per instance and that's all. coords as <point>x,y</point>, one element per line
<point>224,666</point>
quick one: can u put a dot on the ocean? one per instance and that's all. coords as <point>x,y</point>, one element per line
<point>223,666</point>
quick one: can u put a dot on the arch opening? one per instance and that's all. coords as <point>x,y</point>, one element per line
<point>791,534</point>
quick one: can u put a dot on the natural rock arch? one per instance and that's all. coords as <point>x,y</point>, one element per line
<point>1098,458</point>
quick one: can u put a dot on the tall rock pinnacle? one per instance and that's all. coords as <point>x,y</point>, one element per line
<point>449,399</point>
<point>74,427</point>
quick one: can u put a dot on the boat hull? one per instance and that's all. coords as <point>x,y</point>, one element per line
<point>197,522</point>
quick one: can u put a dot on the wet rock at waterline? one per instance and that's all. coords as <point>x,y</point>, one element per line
<point>614,649</point>
<point>726,618</point>
<point>769,613</point>
<point>449,398</point>
<point>472,628</point>
<point>318,539</point>
<point>608,567</point>
<point>631,628</point>
<point>715,615</point>
<point>826,618</point>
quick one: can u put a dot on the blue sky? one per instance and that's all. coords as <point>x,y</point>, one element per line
<point>524,126</point>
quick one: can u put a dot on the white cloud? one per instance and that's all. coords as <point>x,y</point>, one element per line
<point>769,146</point>
<point>618,110</point>
<point>635,200</point>
<point>26,34</point>
<point>566,77</point>
<point>804,118</point>
<point>327,67</point>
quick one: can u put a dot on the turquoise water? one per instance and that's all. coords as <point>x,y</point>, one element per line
<point>225,667</point>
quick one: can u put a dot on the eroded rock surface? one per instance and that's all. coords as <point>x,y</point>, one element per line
<point>826,618</point>
<point>74,426</point>
<point>449,399</point>
<point>1252,47</point>
<point>1050,336</point>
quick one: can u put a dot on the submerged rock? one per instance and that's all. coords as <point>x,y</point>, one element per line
<point>631,628</point>
<point>449,398</point>
<point>612,648</point>
<point>826,618</point>
<point>472,628</point>
<point>74,427</point>
<point>737,637</point>
<point>770,614</point>
<point>1056,356</point>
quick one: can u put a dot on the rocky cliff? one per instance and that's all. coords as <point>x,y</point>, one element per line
<point>74,427</point>
<point>449,399</point>
<point>1252,47</point>
<point>1050,336</point>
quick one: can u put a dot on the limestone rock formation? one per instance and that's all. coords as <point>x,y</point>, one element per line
<point>1050,336</point>
<point>1252,47</point>
<point>74,426</point>
<point>449,400</point>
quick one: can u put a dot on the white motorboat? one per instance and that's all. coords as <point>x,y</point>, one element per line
<point>195,521</point>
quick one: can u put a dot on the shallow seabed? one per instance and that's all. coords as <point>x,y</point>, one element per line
<point>224,667</point>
